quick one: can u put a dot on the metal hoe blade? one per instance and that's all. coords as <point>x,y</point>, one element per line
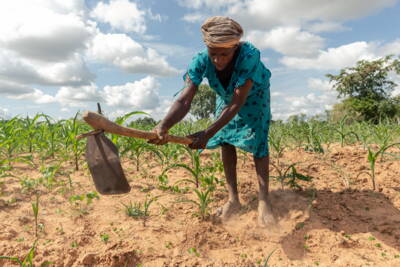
<point>105,166</point>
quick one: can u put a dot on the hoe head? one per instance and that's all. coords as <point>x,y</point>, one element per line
<point>105,166</point>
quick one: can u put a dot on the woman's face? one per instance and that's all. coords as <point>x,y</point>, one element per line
<point>221,57</point>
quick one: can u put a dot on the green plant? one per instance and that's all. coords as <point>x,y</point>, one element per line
<point>49,173</point>
<point>195,170</point>
<point>137,149</point>
<point>35,209</point>
<point>342,132</point>
<point>289,176</point>
<point>169,245</point>
<point>299,225</point>
<point>104,237</point>
<point>49,132</point>
<point>115,138</point>
<point>71,129</point>
<point>267,259</point>
<point>193,251</point>
<point>27,261</point>
<point>202,202</point>
<point>138,210</point>
<point>314,139</point>
<point>77,200</point>
<point>276,141</point>
<point>28,184</point>
<point>372,157</point>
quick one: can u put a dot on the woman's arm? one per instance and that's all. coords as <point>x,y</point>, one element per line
<point>239,98</point>
<point>181,106</point>
<point>177,112</point>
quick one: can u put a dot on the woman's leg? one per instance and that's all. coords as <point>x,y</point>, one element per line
<point>229,159</point>
<point>265,216</point>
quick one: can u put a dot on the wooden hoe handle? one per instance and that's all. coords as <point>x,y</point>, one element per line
<point>98,121</point>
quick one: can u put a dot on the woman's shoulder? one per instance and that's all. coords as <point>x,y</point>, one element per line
<point>249,49</point>
<point>201,55</point>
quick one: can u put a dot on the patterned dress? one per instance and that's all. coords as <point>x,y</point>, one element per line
<point>248,130</point>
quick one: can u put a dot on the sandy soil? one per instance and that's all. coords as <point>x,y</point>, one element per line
<point>336,220</point>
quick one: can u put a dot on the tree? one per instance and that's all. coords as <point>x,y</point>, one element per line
<point>297,119</point>
<point>367,88</point>
<point>145,121</point>
<point>203,104</point>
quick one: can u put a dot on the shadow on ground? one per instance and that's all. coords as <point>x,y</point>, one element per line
<point>348,212</point>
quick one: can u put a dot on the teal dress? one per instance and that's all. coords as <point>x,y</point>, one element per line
<point>248,130</point>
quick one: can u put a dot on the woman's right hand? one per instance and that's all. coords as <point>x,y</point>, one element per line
<point>161,132</point>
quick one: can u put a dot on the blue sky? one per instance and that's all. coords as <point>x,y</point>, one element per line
<point>60,57</point>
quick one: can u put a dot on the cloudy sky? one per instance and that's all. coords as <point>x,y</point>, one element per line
<point>62,56</point>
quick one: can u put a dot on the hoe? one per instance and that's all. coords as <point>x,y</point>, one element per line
<point>102,154</point>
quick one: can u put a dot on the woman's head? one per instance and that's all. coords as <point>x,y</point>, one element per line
<point>222,36</point>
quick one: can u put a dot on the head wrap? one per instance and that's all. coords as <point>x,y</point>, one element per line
<point>221,32</point>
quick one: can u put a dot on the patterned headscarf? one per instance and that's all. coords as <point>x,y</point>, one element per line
<point>221,32</point>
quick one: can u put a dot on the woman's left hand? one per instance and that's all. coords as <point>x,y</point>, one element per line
<point>200,140</point>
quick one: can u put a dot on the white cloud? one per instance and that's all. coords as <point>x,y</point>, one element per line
<point>194,17</point>
<point>9,88</point>
<point>213,4</point>
<point>276,94</point>
<point>334,58</point>
<point>156,17</point>
<point>290,41</point>
<point>395,78</point>
<point>44,42</point>
<point>171,49</point>
<point>160,111</point>
<point>122,15</point>
<point>261,14</point>
<point>72,71</point>
<point>61,6</point>
<point>320,85</point>
<point>343,56</point>
<point>139,95</point>
<point>326,26</point>
<point>122,51</point>
<point>280,24</point>
<point>76,96</point>
<point>391,48</point>
<point>286,105</point>
<point>37,96</point>
<point>156,113</point>
<point>22,92</point>
<point>310,105</point>
<point>4,113</point>
<point>41,42</point>
<point>33,30</point>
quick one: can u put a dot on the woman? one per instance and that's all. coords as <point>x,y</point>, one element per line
<point>241,82</point>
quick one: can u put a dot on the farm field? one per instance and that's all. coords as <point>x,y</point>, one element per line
<point>328,212</point>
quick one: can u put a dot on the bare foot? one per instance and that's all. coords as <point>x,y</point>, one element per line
<point>265,216</point>
<point>228,209</point>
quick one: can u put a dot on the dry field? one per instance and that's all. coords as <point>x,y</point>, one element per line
<point>336,220</point>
